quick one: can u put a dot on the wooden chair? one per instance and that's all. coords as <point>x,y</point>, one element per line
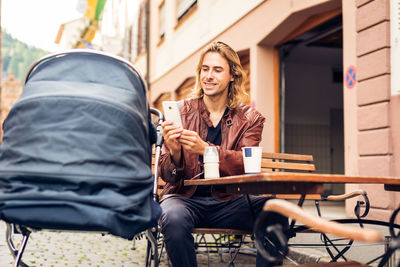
<point>317,224</point>
<point>272,162</point>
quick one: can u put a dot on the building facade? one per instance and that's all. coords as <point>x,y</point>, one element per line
<point>319,71</point>
<point>322,72</point>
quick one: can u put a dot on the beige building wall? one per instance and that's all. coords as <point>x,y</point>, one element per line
<point>208,20</point>
<point>371,124</point>
<point>141,65</point>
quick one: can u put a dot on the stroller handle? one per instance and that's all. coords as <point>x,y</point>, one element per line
<point>159,143</point>
<point>157,113</point>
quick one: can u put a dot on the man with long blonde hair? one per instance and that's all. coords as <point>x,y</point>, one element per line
<point>214,117</point>
<point>236,89</point>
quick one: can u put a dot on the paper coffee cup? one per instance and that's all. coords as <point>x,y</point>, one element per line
<point>252,159</point>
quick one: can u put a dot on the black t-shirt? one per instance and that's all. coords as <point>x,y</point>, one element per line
<point>214,136</point>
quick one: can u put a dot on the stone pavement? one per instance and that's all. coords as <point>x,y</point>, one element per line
<point>47,248</point>
<point>58,249</point>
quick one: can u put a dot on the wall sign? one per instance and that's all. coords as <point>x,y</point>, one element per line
<point>350,77</point>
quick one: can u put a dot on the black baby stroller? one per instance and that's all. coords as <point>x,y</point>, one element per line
<point>76,151</point>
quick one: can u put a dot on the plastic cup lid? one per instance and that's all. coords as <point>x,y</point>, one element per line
<point>210,154</point>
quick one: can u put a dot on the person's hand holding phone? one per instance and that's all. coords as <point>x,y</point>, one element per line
<point>171,134</point>
<point>172,129</point>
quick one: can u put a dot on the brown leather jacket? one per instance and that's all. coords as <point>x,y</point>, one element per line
<point>240,127</point>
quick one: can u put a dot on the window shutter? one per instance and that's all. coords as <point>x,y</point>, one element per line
<point>395,46</point>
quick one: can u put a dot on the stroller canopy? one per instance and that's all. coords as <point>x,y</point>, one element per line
<point>76,150</point>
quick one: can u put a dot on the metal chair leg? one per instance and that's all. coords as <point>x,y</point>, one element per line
<point>154,247</point>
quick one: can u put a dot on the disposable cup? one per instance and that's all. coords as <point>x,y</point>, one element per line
<point>252,159</point>
<point>211,162</point>
<point>211,170</point>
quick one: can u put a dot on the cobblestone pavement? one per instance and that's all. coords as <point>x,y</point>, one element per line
<point>58,249</point>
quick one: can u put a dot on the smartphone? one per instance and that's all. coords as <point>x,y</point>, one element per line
<point>171,112</point>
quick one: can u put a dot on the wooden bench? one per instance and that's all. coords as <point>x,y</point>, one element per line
<point>272,162</point>
<point>298,163</point>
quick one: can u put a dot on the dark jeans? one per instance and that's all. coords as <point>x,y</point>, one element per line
<point>180,215</point>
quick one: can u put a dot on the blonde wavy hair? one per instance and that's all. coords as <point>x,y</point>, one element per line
<point>236,90</point>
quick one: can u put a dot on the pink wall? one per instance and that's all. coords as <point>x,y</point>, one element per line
<point>377,125</point>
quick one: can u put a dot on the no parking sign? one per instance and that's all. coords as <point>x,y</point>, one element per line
<point>350,77</point>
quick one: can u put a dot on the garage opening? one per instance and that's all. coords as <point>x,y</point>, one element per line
<point>311,95</point>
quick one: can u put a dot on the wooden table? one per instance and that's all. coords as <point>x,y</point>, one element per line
<point>293,183</point>
<point>290,183</point>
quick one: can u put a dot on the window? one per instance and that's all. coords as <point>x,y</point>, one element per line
<point>161,23</point>
<point>184,7</point>
<point>185,89</point>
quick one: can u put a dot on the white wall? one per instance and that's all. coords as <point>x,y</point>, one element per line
<point>209,20</point>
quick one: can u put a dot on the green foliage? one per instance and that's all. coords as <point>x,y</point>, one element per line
<point>18,56</point>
